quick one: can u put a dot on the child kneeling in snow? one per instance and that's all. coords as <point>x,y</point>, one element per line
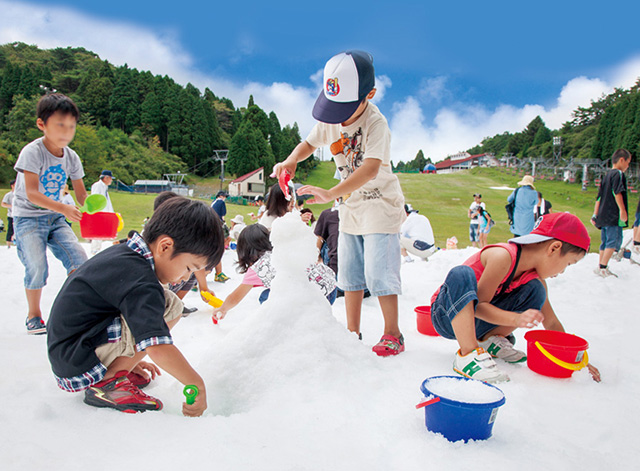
<point>112,311</point>
<point>502,288</point>
<point>254,260</point>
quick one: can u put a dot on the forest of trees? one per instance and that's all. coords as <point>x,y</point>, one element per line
<point>595,132</point>
<point>138,125</point>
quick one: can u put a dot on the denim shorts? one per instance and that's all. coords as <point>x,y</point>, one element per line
<point>33,236</point>
<point>474,234</point>
<point>369,261</point>
<point>637,223</point>
<point>611,237</point>
<point>461,287</point>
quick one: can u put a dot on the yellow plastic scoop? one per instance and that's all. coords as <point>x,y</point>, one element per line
<point>211,299</point>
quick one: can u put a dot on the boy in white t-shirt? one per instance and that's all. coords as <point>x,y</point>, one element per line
<point>372,204</point>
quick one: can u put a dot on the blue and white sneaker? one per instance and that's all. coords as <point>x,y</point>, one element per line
<point>36,326</point>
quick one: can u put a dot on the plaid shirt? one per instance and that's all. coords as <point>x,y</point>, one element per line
<point>114,334</point>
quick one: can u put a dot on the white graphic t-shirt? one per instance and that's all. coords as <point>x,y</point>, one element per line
<point>378,206</point>
<point>473,208</point>
<point>53,174</point>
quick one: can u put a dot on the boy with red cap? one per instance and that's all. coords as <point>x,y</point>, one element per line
<point>372,204</point>
<point>501,288</point>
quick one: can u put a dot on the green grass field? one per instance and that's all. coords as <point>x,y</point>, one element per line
<point>444,199</point>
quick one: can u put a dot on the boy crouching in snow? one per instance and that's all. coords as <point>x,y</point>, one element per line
<point>501,288</point>
<point>113,311</point>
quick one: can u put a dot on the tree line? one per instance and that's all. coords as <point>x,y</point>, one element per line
<point>137,124</point>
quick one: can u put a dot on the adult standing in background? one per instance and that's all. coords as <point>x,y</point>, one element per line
<point>526,198</point>
<point>220,207</point>
<point>474,234</point>
<point>7,202</point>
<point>101,187</point>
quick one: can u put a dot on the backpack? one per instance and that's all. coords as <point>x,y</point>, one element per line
<point>511,207</point>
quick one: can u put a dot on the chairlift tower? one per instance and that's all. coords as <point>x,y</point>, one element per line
<point>176,179</point>
<point>534,161</point>
<point>557,150</point>
<point>222,156</point>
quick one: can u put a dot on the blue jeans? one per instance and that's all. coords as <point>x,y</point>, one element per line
<point>474,234</point>
<point>33,236</point>
<point>461,287</point>
<point>611,237</point>
<point>369,261</point>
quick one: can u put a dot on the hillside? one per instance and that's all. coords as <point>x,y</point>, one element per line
<point>138,125</point>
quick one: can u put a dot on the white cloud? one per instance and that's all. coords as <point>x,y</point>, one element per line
<point>160,53</point>
<point>461,126</point>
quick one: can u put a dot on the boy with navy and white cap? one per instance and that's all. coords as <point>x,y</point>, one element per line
<point>502,287</point>
<point>372,204</point>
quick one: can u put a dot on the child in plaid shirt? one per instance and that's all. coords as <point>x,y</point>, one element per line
<point>113,311</point>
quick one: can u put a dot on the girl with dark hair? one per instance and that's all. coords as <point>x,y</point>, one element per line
<point>277,206</point>
<point>254,261</point>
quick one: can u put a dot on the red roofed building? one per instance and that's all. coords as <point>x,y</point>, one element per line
<point>465,161</point>
<point>249,185</point>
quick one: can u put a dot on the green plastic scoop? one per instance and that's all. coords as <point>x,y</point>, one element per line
<point>93,204</point>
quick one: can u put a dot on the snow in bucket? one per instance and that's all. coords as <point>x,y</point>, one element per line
<point>461,408</point>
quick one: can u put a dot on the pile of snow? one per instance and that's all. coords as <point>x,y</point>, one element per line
<point>462,390</point>
<point>290,389</point>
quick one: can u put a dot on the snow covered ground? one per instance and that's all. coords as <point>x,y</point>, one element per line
<point>290,389</point>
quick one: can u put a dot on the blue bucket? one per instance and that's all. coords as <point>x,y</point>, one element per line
<point>458,420</point>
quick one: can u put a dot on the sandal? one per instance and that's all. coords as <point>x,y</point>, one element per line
<point>389,345</point>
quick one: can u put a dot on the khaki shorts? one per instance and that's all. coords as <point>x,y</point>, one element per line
<point>126,346</point>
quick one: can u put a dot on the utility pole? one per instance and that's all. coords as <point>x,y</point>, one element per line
<point>222,156</point>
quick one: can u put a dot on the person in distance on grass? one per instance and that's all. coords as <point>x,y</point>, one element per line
<point>43,167</point>
<point>502,288</point>
<point>372,209</point>
<point>113,311</point>
<point>611,212</point>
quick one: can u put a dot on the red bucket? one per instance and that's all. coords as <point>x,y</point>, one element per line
<point>555,354</point>
<point>100,225</point>
<point>424,321</point>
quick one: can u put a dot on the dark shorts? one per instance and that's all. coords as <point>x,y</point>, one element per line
<point>461,287</point>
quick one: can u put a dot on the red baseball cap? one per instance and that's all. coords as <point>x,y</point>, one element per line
<point>562,226</point>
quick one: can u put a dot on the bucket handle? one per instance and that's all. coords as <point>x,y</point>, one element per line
<point>427,401</point>
<point>564,364</point>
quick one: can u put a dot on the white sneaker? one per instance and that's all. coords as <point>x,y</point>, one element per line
<point>478,365</point>
<point>499,347</point>
<point>604,272</point>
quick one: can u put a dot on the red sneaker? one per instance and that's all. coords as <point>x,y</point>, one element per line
<point>139,381</point>
<point>118,393</point>
<point>389,345</point>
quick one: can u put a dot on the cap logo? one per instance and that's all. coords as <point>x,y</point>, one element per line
<point>332,87</point>
<point>537,223</point>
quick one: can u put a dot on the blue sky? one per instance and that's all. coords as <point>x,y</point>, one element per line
<point>448,74</point>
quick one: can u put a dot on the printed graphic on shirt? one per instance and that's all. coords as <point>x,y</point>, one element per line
<point>348,153</point>
<point>53,180</point>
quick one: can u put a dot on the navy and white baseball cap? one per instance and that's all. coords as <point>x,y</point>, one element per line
<point>348,79</point>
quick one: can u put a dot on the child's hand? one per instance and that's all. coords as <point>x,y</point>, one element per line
<point>306,217</point>
<point>218,314</point>
<point>142,367</point>
<point>529,318</point>
<point>199,405</point>
<point>72,213</point>
<point>320,195</point>
<point>282,166</point>
<point>207,290</point>
<point>595,374</point>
